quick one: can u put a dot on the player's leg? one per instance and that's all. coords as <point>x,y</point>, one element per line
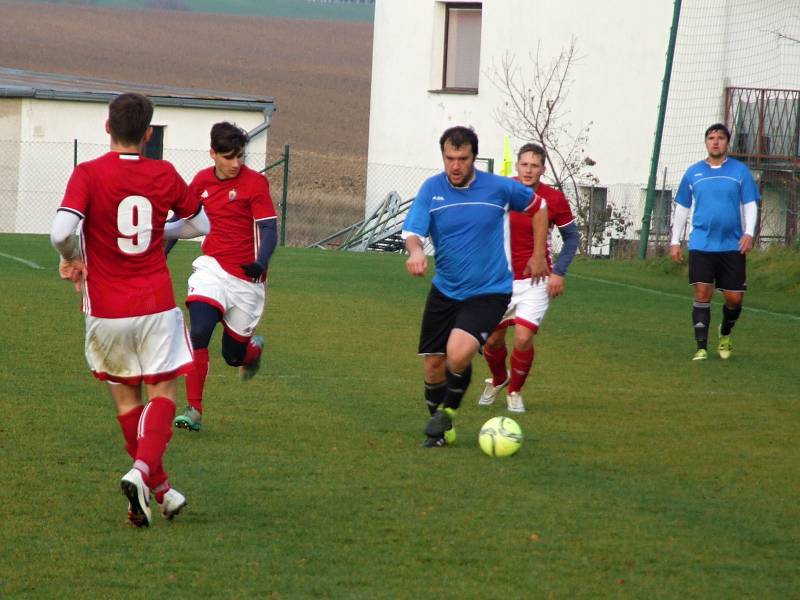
<point>203,318</point>
<point>732,280</point>
<point>246,301</point>
<point>475,319</point>
<point>702,267</point>
<point>532,305</point>
<point>495,354</point>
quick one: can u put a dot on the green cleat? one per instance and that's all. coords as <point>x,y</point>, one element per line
<point>247,372</point>
<point>190,419</point>
<point>701,354</point>
<point>725,346</point>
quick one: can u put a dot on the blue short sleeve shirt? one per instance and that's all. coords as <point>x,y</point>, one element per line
<point>469,230</point>
<point>717,194</point>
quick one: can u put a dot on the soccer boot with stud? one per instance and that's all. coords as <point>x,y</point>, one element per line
<point>138,495</point>
<point>248,371</point>
<point>725,346</point>
<point>490,391</point>
<point>515,403</point>
<point>172,504</point>
<point>701,354</point>
<point>439,430</point>
<point>190,419</point>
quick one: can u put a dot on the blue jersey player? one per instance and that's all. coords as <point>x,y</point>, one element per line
<point>725,200</point>
<point>465,214</point>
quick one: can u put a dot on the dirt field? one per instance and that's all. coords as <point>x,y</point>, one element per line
<point>318,72</point>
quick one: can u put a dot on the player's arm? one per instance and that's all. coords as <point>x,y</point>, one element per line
<point>750,221</point>
<point>62,235</point>
<point>415,230</point>
<point>537,265</point>
<point>268,229</point>
<point>679,218</point>
<point>572,240</point>
<point>184,229</point>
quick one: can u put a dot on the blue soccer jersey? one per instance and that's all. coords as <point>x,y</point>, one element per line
<point>717,194</point>
<point>469,230</point>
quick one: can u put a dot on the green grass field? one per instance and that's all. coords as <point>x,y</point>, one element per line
<point>292,9</point>
<point>642,475</point>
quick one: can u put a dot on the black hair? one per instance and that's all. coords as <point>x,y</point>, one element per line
<point>460,136</point>
<point>718,127</point>
<point>227,137</point>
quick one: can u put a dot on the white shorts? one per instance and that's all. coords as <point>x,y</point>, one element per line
<point>529,303</point>
<point>240,302</point>
<point>132,350</point>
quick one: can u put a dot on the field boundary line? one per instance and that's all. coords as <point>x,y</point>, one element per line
<point>682,297</point>
<point>30,263</point>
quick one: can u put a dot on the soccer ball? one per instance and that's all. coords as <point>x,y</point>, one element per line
<point>500,436</point>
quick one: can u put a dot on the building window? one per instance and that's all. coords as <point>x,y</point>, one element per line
<point>462,46</point>
<point>155,147</point>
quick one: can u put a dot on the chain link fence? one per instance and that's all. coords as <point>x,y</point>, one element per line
<point>34,175</point>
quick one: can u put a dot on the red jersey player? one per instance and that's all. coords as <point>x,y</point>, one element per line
<point>229,280</point>
<point>529,301</point>
<point>134,332</point>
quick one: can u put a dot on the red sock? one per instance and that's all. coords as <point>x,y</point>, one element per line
<point>521,362</point>
<point>155,431</point>
<point>253,352</point>
<point>496,359</point>
<point>196,380</point>
<point>129,423</point>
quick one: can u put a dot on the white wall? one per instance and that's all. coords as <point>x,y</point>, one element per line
<point>616,87</point>
<point>40,160</point>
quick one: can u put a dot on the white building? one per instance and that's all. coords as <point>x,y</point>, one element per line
<point>435,64</point>
<point>50,122</point>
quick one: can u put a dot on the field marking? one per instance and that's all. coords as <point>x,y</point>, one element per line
<point>682,297</point>
<point>30,263</point>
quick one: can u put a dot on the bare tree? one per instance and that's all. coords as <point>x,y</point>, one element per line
<point>534,109</point>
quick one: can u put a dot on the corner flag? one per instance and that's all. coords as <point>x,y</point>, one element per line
<point>507,157</point>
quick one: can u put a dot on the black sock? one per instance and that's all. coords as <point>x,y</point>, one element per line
<point>729,317</point>
<point>434,395</point>
<point>701,318</point>
<point>457,384</point>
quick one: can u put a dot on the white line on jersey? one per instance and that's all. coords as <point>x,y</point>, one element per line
<point>682,297</point>
<point>30,263</point>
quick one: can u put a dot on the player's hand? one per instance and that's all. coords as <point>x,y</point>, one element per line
<point>555,285</point>
<point>536,269</point>
<point>253,270</point>
<point>73,270</point>
<point>676,253</point>
<point>745,244</point>
<point>417,263</point>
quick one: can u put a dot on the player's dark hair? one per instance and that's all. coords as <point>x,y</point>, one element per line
<point>531,147</point>
<point>129,117</point>
<point>460,136</point>
<point>718,127</point>
<point>227,137</point>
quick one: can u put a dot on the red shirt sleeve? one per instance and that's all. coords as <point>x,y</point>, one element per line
<point>187,203</point>
<point>558,210</point>
<point>261,202</point>
<point>76,196</point>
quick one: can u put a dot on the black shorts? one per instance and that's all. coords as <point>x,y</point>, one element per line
<point>478,316</point>
<point>725,270</point>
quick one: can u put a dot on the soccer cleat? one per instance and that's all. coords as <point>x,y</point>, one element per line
<point>701,354</point>
<point>138,494</point>
<point>725,346</point>
<point>248,371</point>
<point>490,392</point>
<point>172,504</point>
<point>190,419</point>
<point>515,403</point>
<point>439,430</point>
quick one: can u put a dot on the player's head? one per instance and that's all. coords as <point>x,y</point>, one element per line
<point>459,146</point>
<point>717,139</point>
<point>227,149</point>
<point>129,118</point>
<point>530,164</point>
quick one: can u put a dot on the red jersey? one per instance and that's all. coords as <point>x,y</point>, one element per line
<point>234,207</point>
<point>521,226</point>
<point>124,200</point>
